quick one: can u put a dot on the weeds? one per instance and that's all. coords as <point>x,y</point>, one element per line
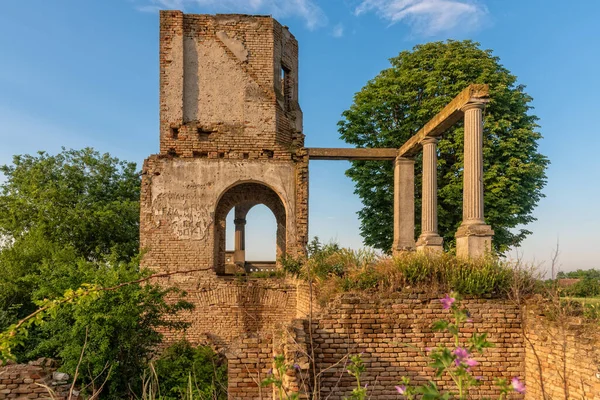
<point>334,270</point>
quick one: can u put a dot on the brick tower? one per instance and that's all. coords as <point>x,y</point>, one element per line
<point>230,137</point>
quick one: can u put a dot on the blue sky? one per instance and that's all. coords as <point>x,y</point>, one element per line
<point>79,73</point>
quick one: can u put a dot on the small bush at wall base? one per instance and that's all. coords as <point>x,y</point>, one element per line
<point>184,370</point>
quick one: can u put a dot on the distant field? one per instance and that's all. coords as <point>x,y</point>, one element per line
<point>586,300</point>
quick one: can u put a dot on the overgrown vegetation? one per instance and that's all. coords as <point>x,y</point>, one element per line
<point>336,269</point>
<point>186,372</point>
<point>69,225</point>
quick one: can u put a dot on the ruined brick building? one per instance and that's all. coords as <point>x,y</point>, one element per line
<point>231,138</point>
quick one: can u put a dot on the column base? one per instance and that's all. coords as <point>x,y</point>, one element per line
<point>398,250</point>
<point>474,241</point>
<point>239,257</point>
<point>430,243</point>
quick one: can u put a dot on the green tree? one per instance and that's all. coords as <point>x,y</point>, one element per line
<point>401,99</point>
<point>77,203</point>
<point>79,198</point>
<point>67,221</point>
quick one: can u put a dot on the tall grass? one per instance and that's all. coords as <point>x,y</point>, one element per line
<point>336,269</point>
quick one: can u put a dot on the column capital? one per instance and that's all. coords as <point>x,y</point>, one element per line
<point>476,104</point>
<point>239,221</point>
<point>429,140</point>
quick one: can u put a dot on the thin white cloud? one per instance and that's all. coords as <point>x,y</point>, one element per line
<point>307,10</point>
<point>428,17</point>
<point>338,31</point>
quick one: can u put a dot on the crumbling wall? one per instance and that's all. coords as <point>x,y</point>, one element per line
<point>35,380</point>
<point>562,358</point>
<point>228,87</point>
<point>231,309</point>
<point>179,200</point>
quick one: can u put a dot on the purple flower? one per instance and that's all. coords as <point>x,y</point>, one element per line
<point>401,389</point>
<point>464,357</point>
<point>297,367</point>
<point>478,378</point>
<point>447,302</point>
<point>517,385</point>
<point>428,349</point>
<point>471,362</point>
<point>461,352</point>
<point>270,371</point>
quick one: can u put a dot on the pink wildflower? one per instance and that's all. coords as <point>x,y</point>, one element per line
<point>447,302</point>
<point>401,389</point>
<point>464,357</point>
<point>517,385</point>
<point>471,362</point>
<point>461,353</point>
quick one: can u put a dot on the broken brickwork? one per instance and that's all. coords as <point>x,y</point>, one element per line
<point>392,333</point>
<point>230,138</point>
<point>35,380</point>
<point>562,358</point>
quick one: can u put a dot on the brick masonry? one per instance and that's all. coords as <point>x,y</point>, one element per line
<point>230,136</point>
<point>32,381</point>
<point>385,331</point>
<point>562,358</point>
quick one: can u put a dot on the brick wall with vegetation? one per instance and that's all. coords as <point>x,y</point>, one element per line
<point>388,332</point>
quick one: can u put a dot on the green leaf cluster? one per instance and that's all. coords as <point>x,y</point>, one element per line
<point>181,363</point>
<point>116,330</point>
<point>403,98</point>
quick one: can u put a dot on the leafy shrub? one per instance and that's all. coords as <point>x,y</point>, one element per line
<point>291,265</point>
<point>586,287</point>
<point>181,364</point>
<point>115,333</point>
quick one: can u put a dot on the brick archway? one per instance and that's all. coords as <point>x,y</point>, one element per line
<point>244,196</point>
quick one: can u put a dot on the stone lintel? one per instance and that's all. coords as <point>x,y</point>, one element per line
<point>475,93</point>
<point>352,154</point>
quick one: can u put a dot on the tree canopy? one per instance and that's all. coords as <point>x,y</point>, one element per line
<point>70,220</point>
<point>395,104</point>
<point>77,198</point>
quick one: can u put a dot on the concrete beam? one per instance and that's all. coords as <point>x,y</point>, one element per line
<point>449,115</point>
<point>350,154</point>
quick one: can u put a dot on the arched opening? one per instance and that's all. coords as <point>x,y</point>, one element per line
<point>239,200</point>
<point>260,234</point>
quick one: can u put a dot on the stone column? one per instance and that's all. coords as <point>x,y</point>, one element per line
<point>239,255</point>
<point>404,205</point>
<point>474,237</point>
<point>429,239</point>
